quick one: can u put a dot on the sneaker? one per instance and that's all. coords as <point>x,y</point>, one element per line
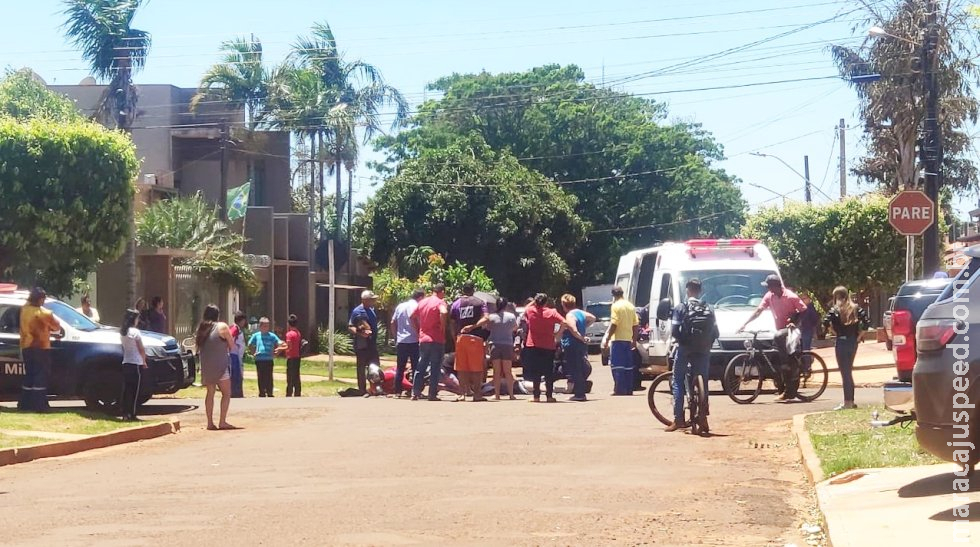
<point>552,400</point>
<point>675,426</point>
<point>845,406</point>
<point>578,399</point>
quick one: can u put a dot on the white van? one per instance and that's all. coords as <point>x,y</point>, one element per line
<point>732,272</point>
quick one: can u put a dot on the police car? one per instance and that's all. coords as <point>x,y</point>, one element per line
<point>86,357</point>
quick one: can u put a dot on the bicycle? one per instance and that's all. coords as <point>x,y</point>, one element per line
<point>746,372</point>
<point>696,403</point>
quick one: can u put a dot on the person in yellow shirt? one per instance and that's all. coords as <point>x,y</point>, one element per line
<point>36,325</point>
<point>620,338</point>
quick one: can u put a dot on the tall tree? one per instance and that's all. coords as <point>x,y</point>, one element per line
<point>638,178</point>
<point>240,81</point>
<point>115,51</point>
<point>355,95</point>
<point>472,204</point>
<point>893,108</point>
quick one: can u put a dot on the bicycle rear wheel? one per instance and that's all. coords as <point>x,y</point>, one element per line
<point>743,379</point>
<point>660,397</point>
<point>813,378</point>
<point>698,406</point>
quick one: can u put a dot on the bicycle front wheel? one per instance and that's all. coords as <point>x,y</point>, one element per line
<point>743,379</point>
<point>660,397</point>
<point>813,376</point>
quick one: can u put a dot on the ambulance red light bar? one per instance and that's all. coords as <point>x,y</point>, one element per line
<point>748,245</point>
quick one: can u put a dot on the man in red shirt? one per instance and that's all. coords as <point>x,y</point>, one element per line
<point>294,341</point>
<point>786,306</point>
<point>429,319</point>
<point>538,358</point>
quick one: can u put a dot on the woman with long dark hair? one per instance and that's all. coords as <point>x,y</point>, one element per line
<point>848,320</point>
<point>502,325</point>
<point>133,364</point>
<point>538,359</point>
<point>214,342</point>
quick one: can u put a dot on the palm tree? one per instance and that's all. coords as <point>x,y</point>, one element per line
<point>356,93</point>
<point>241,81</point>
<point>114,50</point>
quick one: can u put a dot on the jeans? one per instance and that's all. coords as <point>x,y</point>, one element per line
<point>845,350</point>
<point>264,371</point>
<point>34,390</point>
<point>132,378</point>
<point>430,359</point>
<point>787,365</point>
<point>364,358</point>
<point>293,386</point>
<point>404,353</point>
<point>621,366</point>
<point>237,377</point>
<point>699,362</point>
<point>575,360</point>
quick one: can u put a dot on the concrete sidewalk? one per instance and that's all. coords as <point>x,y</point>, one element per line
<point>911,506</point>
<point>873,366</point>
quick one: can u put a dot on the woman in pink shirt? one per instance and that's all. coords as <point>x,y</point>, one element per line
<point>538,358</point>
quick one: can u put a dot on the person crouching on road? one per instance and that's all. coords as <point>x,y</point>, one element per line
<point>469,314</point>
<point>848,320</point>
<point>36,325</point>
<point>573,344</point>
<point>621,338</point>
<point>694,328</point>
<point>133,364</point>
<point>294,343</point>
<point>214,344</point>
<point>264,345</point>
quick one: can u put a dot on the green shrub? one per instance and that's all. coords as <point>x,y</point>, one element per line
<point>342,342</point>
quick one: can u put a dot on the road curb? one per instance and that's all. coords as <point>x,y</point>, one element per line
<point>24,454</point>
<point>811,462</point>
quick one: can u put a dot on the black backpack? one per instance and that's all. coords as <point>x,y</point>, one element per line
<point>698,327</point>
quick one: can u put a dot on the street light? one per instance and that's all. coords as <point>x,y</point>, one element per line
<point>931,150</point>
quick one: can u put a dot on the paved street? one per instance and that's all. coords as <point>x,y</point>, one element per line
<point>373,471</point>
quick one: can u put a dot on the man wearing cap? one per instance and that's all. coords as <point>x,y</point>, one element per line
<point>363,326</point>
<point>786,307</point>
<point>621,339</point>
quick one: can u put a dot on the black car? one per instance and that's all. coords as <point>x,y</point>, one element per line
<point>86,357</point>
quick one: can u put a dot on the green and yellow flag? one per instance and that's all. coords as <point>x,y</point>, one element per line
<point>238,201</point>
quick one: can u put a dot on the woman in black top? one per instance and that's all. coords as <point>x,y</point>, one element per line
<point>848,320</point>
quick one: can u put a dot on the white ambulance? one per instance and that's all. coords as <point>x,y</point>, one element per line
<point>732,274</point>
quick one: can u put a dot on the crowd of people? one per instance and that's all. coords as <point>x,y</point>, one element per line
<point>478,332</point>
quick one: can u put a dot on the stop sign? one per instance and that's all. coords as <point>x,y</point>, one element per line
<point>911,212</point>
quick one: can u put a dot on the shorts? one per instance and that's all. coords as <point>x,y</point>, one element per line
<point>470,355</point>
<point>501,352</point>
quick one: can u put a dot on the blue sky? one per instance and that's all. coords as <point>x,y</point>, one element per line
<point>627,44</point>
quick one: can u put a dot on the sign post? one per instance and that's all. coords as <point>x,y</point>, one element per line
<point>911,212</point>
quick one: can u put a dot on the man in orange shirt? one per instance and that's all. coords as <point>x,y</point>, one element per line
<point>36,326</point>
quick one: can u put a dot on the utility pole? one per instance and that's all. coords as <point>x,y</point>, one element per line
<point>843,161</point>
<point>223,192</point>
<point>932,146</point>
<point>806,179</point>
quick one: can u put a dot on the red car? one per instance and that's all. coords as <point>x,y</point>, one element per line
<point>902,316</point>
